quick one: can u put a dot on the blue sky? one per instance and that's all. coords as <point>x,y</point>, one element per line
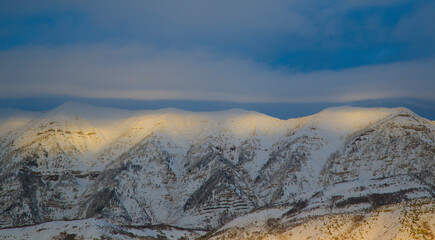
<point>244,53</point>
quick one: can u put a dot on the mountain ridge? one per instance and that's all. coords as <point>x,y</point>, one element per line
<point>200,170</point>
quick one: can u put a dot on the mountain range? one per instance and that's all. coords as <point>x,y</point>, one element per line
<point>84,172</point>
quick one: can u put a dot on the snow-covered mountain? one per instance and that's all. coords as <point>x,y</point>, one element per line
<point>122,173</point>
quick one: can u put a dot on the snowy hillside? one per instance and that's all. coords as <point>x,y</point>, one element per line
<point>106,169</point>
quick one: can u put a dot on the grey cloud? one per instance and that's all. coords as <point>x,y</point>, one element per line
<point>105,71</point>
<point>166,62</point>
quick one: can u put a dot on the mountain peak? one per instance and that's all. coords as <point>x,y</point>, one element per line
<point>73,108</point>
<point>347,119</point>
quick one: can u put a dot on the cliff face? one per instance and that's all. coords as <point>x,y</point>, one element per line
<point>200,170</point>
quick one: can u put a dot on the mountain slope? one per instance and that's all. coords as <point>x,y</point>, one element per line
<point>406,220</point>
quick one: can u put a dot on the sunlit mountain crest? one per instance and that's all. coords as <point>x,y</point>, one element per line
<point>111,122</point>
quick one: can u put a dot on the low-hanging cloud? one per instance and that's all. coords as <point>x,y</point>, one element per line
<point>137,72</point>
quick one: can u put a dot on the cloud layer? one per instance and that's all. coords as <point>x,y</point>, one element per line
<point>135,72</point>
<point>244,51</point>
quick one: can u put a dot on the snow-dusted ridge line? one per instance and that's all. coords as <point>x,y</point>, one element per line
<point>113,117</point>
